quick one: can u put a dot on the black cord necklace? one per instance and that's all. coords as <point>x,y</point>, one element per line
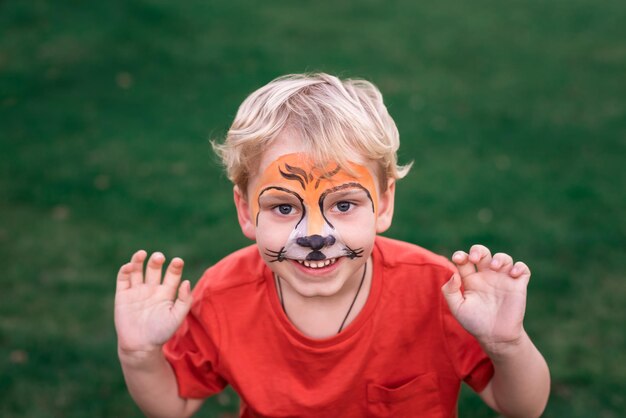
<point>282,301</point>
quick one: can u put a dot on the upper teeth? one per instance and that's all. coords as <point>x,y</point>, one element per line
<point>317,264</point>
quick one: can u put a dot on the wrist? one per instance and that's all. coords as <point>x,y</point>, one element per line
<point>139,358</point>
<point>502,350</point>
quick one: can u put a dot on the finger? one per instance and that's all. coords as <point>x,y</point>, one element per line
<point>461,259</point>
<point>520,271</point>
<point>123,277</point>
<point>183,302</point>
<point>452,293</point>
<point>136,275</point>
<point>154,268</point>
<point>481,256</point>
<point>172,277</point>
<point>501,262</point>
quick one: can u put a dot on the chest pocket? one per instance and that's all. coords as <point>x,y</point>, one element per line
<point>419,397</point>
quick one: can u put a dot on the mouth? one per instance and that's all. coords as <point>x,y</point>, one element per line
<point>317,264</point>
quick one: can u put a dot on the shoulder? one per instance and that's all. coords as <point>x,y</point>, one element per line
<point>395,252</point>
<point>237,269</point>
<point>399,255</point>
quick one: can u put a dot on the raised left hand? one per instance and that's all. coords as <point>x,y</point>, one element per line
<point>492,302</point>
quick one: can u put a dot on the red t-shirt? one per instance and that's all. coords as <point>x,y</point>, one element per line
<point>404,355</point>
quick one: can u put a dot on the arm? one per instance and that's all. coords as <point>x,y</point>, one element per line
<point>147,313</point>
<point>521,382</point>
<point>152,384</point>
<point>491,307</point>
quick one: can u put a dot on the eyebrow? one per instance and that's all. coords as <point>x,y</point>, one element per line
<point>279,196</point>
<point>338,194</point>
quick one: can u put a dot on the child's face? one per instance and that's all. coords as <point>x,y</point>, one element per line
<point>314,228</point>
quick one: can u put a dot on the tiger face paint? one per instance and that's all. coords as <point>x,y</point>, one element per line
<point>315,211</point>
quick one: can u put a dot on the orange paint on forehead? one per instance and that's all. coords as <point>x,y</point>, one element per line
<point>295,174</point>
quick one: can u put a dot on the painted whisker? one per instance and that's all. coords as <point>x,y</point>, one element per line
<point>276,255</point>
<point>352,254</point>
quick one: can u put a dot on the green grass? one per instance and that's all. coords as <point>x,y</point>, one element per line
<point>514,113</point>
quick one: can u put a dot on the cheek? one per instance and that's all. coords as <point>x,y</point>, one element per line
<point>358,230</point>
<point>271,234</point>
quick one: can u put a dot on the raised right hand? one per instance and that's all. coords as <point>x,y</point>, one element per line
<point>147,312</point>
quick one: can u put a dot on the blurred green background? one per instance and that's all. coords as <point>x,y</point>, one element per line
<point>514,113</point>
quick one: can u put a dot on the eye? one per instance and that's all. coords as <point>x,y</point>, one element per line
<point>343,206</point>
<point>284,209</point>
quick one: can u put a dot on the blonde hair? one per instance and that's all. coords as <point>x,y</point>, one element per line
<point>337,120</point>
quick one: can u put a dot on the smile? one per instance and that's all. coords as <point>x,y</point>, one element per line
<point>317,264</point>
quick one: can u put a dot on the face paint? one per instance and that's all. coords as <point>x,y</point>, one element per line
<point>293,187</point>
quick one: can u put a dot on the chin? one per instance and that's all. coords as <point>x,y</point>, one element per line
<point>312,290</point>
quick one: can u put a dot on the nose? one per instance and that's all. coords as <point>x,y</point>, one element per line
<point>316,242</point>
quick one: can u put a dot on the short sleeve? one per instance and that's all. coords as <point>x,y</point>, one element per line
<point>470,362</point>
<point>193,354</point>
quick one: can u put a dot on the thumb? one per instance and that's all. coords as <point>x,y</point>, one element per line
<point>183,302</point>
<point>452,292</point>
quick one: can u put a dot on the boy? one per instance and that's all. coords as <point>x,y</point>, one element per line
<point>323,318</point>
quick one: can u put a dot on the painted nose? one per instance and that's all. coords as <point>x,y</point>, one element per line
<point>316,242</point>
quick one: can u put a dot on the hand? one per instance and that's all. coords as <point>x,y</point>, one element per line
<point>147,312</point>
<point>493,301</point>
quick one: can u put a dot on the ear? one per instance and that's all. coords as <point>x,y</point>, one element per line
<point>385,207</point>
<point>247,224</point>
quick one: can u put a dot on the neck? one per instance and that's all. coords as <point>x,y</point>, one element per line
<point>322,316</point>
